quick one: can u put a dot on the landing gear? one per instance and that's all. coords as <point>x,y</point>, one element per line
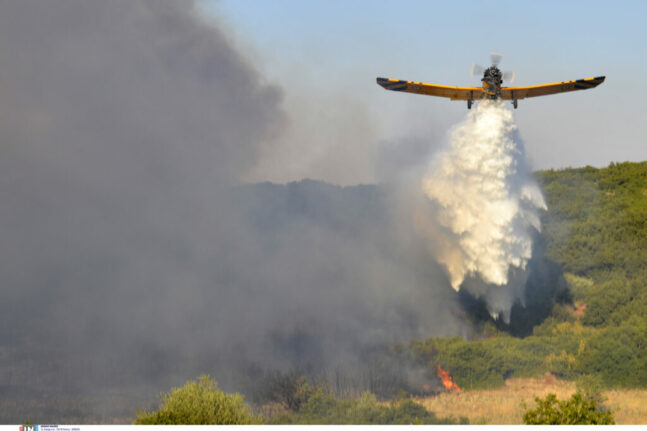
<point>469,104</point>
<point>514,103</point>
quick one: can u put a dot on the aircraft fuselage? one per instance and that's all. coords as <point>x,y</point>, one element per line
<point>492,80</point>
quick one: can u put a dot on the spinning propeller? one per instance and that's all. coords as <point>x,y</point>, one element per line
<point>495,58</point>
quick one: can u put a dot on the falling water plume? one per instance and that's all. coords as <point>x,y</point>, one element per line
<point>486,201</point>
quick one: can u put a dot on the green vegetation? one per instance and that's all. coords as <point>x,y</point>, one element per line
<point>324,408</point>
<point>597,219</point>
<point>596,230</point>
<point>578,410</point>
<point>615,355</point>
<point>199,403</point>
<point>321,407</point>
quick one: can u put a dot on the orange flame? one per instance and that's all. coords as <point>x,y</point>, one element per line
<point>448,382</point>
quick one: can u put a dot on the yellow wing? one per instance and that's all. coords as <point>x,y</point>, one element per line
<point>454,93</point>
<point>510,93</point>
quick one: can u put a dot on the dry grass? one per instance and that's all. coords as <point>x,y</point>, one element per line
<point>629,406</point>
<point>503,405</point>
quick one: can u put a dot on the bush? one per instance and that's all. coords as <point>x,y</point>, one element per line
<point>323,408</point>
<point>290,390</point>
<point>618,355</point>
<point>199,403</point>
<point>578,410</point>
<point>590,386</point>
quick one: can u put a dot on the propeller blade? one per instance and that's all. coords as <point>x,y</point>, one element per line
<point>495,57</point>
<point>477,69</point>
<point>508,77</point>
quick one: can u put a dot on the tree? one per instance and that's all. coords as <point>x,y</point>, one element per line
<point>578,410</point>
<point>290,389</point>
<point>199,403</point>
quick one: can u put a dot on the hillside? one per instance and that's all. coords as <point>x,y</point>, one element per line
<point>595,229</point>
<point>585,317</point>
<point>583,327</point>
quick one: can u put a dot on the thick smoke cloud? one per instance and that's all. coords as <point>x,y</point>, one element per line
<point>132,260</point>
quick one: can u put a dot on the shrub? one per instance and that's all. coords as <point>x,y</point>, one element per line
<point>322,407</point>
<point>290,390</point>
<point>199,403</point>
<point>578,410</point>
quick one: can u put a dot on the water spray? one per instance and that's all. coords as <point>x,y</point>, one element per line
<point>486,200</point>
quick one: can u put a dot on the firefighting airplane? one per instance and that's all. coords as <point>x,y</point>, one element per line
<point>492,80</point>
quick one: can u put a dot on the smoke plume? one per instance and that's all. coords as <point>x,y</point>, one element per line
<point>133,259</point>
<point>487,204</point>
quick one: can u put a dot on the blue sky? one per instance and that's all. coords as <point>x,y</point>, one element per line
<point>326,55</point>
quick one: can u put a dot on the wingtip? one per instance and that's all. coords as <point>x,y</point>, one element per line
<point>382,82</point>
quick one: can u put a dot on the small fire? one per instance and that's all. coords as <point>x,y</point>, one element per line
<point>448,382</point>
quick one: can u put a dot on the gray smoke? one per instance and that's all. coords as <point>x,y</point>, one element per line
<point>132,259</point>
